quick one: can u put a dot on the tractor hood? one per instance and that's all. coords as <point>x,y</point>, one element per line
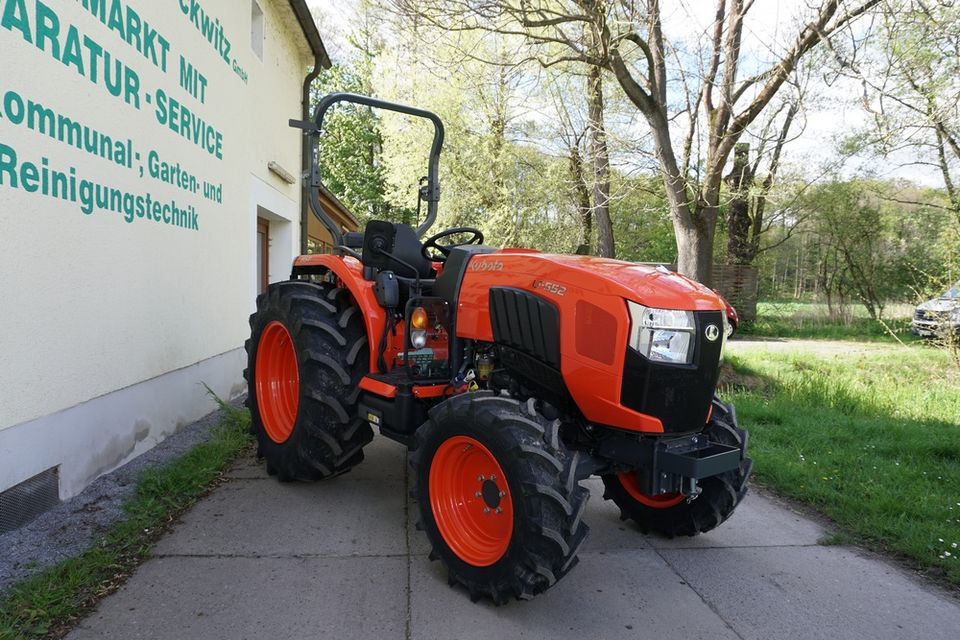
<point>653,286</point>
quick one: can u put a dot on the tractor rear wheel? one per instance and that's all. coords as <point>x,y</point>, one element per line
<point>671,514</point>
<point>498,496</point>
<point>306,354</point>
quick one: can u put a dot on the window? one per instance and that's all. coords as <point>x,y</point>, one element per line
<point>315,245</point>
<point>256,28</point>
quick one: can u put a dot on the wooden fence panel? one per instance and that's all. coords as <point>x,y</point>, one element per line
<point>738,284</point>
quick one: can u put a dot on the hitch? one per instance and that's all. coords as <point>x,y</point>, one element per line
<point>673,465</point>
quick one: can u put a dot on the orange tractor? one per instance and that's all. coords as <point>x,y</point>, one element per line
<point>512,375</point>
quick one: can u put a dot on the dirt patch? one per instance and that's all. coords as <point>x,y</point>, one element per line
<point>733,380</point>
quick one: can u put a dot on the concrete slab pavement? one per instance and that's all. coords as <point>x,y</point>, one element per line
<point>814,593</point>
<point>248,597</point>
<point>341,559</point>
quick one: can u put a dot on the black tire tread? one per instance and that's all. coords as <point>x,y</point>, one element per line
<point>551,539</point>
<point>328,436</point>
<point>717,501</point>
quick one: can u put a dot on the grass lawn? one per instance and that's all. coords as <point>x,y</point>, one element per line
<point>812,320</point>
<point>871,440</point>
<point>49,603</point>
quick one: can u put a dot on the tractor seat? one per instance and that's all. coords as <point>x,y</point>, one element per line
<point>407,247</point>
<point>401,241</point>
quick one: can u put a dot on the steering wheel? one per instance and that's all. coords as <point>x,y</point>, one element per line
<point>444,249</point>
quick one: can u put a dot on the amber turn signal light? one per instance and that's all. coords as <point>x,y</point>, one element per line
<point>418,319</point>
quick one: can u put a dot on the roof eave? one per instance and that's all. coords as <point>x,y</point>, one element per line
<point>305,18</point>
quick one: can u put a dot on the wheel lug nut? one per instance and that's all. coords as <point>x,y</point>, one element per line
<point>486,509</point>
<point>493,477</point>
<point>499,509</point>
<point>480,478</point>
<point>477,494</point>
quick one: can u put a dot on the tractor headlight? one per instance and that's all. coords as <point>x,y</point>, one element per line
<point>662,335</point>
<point>418,339</point>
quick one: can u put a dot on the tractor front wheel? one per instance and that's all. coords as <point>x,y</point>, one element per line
<point>671,514</point>
<point>306,354</point>
<point>498,496</point>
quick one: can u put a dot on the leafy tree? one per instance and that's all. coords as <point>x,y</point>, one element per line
<point>626,38</point>
<point>912,87</point>
<point>862,240</point>
<point>348,150</point>
<point>642,214</point>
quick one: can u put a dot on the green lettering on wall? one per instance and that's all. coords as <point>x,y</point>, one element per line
<point>29,177</point>
<point>71,50</point>
<point>48,29</point>
<point>194,82</point>
<point>15,17</point>
<point>8,166</point>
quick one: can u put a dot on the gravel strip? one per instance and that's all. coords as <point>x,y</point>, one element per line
<point>68,529</point>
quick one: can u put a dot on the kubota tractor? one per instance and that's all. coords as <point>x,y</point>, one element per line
<point>510,374</point>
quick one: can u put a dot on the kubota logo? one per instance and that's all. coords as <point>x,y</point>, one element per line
<point>712,332</point>
<point>486,265</point>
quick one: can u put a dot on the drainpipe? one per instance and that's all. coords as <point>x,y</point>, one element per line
<point>306,150</point>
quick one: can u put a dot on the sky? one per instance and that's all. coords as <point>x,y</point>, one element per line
<point>834,111</point>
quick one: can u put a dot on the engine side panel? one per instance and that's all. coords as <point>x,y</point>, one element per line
<point>594,322</point>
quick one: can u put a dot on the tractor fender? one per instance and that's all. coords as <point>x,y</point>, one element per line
<point>349,273</point>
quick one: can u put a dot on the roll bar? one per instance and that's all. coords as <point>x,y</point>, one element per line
<point>313,128</point>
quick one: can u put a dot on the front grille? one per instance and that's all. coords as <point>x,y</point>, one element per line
<point>931,316</point>
<point>23,502</point>
<point>526,322</point>
<point>678,394</point>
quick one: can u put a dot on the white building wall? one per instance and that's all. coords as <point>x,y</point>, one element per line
<point>109,327</point>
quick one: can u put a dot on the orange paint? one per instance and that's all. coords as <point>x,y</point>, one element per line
<point>433,391</point>
<point>376,386</point>
<point>594,382</point>
<point>349,273</point>
<point>604,283</point>
<point>470,501</point>
<point>277,381</point>
<point>632,486</point>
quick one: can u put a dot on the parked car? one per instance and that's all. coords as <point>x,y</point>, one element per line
<point>934,316</point>
<point>732,318</point>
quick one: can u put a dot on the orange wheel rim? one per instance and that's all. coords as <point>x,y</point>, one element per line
<point>277,381</point>
<point>632,486</point>
<point>471,501</point>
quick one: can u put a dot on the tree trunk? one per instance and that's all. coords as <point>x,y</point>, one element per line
<point>581,192</point>
<point>798,276</point>
<point>695,248</point>
<point>601,165</point>
<point>503,215</point>
<point>739,181</point>
<point>693,230</point>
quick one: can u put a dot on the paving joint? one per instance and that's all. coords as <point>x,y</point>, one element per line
<point>289,556</point>
<point>706,602</point>
<point>734,546</point>
<point>406,527</point>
